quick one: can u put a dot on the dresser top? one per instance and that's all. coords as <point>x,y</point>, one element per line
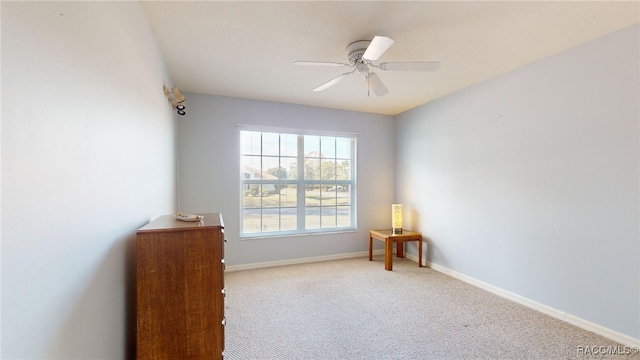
<point>170,223</point>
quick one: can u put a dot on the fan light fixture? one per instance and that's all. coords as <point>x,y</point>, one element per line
<point>362,55</point>
<point>176,99</point>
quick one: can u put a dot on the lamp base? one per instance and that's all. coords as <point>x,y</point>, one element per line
<point>396,230</point>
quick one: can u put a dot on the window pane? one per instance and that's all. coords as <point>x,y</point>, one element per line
<point>288,219</point>
<point>311,168</point>
<point>344,216</point>
<point>328,195</point>
<point>250,142</point>
<point>328,218</point>
<point>289,169</point>
<point>251,167</point>
<point>288,145</point>
<point>312,218</point>
<point>270,220</point>
<point>288,196</point>
<point>270,167</point>
<point>312,145</point>
<point>312,195</point>
<point>343,148</point>
<point>328,170</point>
<point>328,147</point>
<point>251,220</point>
<point>270,144</point>
<point>269,198</point>
<point>343,170</point>
<point>251,198</point>
<point>343,195</point>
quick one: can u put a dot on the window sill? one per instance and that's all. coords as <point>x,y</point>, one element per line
<point>297,234</point>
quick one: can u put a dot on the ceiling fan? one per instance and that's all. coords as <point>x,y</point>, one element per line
<point>361,55</point>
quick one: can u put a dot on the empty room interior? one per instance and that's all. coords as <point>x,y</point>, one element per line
<point>508,131</point>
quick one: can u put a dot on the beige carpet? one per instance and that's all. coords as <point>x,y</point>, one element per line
<point>354,309</point>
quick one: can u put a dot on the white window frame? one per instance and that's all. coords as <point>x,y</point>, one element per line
<point>300,183</point>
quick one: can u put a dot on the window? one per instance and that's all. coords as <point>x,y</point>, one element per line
<point>281,197</point>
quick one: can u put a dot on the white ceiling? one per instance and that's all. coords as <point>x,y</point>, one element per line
<point>246,49</point>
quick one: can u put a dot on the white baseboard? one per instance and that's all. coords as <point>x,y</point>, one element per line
<point>558,314</point>
<point>603,331</point>
<point>414,258</point>
<point>302,260</point>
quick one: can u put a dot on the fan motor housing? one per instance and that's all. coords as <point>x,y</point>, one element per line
<point>356,49</point>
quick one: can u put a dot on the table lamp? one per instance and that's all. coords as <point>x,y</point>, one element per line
<point>396,218</point>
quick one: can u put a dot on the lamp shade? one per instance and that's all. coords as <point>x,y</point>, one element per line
<point>396,218</point>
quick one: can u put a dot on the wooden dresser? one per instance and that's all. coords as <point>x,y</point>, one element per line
<point>180,289</point>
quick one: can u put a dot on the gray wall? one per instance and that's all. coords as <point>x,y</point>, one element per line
<point>88,156</point>
<point>529,181</point>
<point>209,170</point>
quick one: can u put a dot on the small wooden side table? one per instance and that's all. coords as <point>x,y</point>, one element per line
<point>389,238</point>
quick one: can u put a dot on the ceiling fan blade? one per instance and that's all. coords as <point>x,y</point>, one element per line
<point>376,84</point>
<point>410,66</point>
<point>319,63</point>
<point>333,81</point>
<point>378,46</point>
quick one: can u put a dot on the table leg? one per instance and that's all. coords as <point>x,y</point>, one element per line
<point>370,247</point>
<point>420,252</point>
<point>400,249</point>
<point>388,252</point>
